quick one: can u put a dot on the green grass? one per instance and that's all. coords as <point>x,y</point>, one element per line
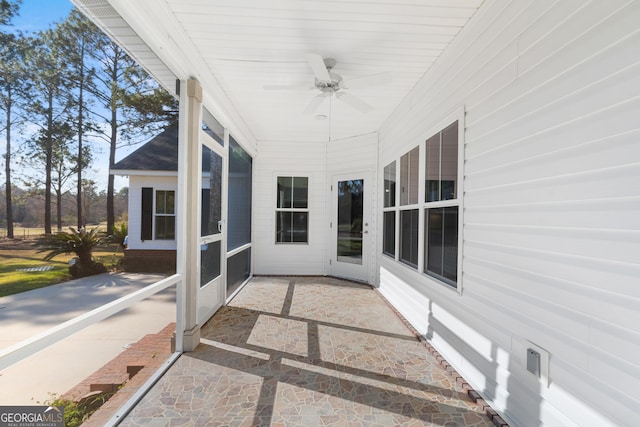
<point>13,282</point>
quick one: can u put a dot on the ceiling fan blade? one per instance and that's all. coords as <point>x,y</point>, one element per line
<point>354,102</point>
<point>314,104</point>
<point>287,87</point>
<point>317,65</point>
<point>367,81</point>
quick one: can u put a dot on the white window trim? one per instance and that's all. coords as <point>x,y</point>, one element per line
<point>156,214</point>
<point>277,209</point>
<point>394,208</point>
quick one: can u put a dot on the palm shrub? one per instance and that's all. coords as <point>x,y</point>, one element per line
<point>80,242</point>
<point>119,233</point>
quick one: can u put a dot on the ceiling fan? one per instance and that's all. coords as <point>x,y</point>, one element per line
<point>330,83</point>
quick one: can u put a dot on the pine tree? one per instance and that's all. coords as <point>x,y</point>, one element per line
<point>9,79</point>
<point>8,9</point>
<point>49,107</point>
<point>136,106</point>
<point>12,85</point>
<point>78,37</point>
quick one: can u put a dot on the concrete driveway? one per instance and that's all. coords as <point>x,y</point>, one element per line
<point>63,365</point>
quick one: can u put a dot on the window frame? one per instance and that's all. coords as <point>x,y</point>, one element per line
<point>423,206</point>
<point>163,215</point>
<point>391,208</point>
<point>408,205</point>
<point>443,203</point>
<point>292,210</point>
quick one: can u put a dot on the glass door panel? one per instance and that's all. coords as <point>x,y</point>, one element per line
<point>350,226</point>
<point>350,221</point>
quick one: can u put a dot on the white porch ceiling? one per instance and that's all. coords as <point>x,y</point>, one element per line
<point>244,45</point>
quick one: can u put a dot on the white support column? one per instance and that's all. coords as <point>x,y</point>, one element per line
<point>190,120</point>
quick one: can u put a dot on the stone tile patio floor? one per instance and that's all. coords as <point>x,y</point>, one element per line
<point>307,352</point>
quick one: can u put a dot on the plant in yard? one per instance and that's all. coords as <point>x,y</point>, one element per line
<point>119,234</point>
<point>80,242</point>
<point>76,413</point>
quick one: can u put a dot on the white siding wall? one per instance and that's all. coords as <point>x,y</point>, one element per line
<point>552,208</point>
<point>136,183</point>
<point>289,159</point>
<point>320,162</point>
<point>357,155</point>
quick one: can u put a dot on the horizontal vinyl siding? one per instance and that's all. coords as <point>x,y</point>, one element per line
<point>551,208</point>
<point>289,159</point>
<point>353,154</point>
<point>358,154</point>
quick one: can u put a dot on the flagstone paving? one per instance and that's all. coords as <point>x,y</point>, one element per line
<point>307,352</point>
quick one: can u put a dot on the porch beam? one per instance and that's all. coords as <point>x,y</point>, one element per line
<point>187,195</point>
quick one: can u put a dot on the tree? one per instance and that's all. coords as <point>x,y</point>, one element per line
<point>12,83</point>
<point>89,197</point>
<point>136,106</point>
<point>8,9</point>
<point>78,36</point>
<point>51,146</point>
<point>50,105</point>
<point>64,166</point>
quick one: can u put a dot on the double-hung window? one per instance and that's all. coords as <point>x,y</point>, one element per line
<point>389,214</point>
<point>292,209</point>
<point>409,169</point>
<point>426,220</point>
<point>165,215</point>
<point>442,205</point>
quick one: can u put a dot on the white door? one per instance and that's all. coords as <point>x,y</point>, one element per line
<point>350,226</point>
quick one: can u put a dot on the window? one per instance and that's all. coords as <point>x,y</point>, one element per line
<point>165,215</point>
<point>211,198</point>
<point>433,219</point>
<point>441,222</point>
<point>441,241</point>
<point>239,208</point>
<point>389,234</point>
<point>212,127</point>
<point>442,165</point>
<point>409,165</point>
<point>292,210</point>
<point>389,214</point>
<point>409,237</point>
<point>210,217</point>
<point>409,168</point>
<point>390,185</point>
<point>209,262</point>
<point>239,214</point>
<point>238,270</point>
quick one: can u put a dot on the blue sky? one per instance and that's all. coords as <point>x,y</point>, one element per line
<point>37,15</point>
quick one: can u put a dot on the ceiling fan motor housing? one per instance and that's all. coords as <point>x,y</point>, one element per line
<point>332,85</point>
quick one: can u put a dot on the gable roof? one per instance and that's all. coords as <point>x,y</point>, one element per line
<point>159,154</point>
